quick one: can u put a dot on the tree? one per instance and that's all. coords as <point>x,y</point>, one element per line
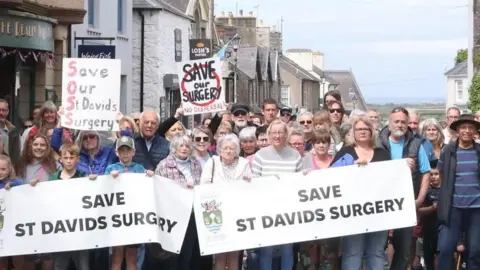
<point>474,94</point>
<point>462,55</point>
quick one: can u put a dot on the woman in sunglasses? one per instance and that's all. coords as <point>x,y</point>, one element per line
<point>202,140</point>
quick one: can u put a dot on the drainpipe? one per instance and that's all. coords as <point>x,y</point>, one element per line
<point>142,57</point>
<point>69,38</point>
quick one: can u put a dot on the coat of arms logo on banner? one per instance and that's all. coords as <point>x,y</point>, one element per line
<point>2,209</point>
<point>212,215</point>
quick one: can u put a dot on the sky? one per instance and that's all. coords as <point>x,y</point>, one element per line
<point>398,50</point>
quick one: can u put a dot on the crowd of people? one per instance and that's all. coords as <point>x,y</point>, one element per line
<point>237,145</point>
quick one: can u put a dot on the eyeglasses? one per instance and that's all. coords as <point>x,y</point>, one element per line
<point>204,139</point>
<point>28,126</point>
<point>89,137</point>
<point>335,110</point>
<point>238,113</point>
<point>362,129</point>
<point>279,133</point>
<point>297,144</point>
<point>308,122</point>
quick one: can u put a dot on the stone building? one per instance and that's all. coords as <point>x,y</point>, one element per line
<point>161,33</point>
<point>33,42</point>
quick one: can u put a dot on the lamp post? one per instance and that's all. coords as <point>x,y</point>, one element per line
<point>236,40</point>
<point>353,97</point>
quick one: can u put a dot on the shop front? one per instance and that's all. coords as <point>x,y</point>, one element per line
<point>26,43</point>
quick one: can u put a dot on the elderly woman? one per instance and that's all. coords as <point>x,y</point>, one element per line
<point>346,135</point>
<point>248,141</point>
<point>202,139</point>
<point>432,131</point>
<point>182,167</point>
<point>226,167</point>
<point>366,247</point>
<point>322,120</point>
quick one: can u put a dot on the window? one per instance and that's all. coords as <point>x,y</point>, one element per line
<point>121,16</point>
<point>459,89</point>
<point>91,12</point>
<point>285,95</point>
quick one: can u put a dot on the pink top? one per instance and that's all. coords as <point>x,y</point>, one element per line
<point>315,165</point>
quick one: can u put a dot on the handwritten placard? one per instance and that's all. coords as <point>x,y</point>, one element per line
<point>201,86</point>
<point>91,93</point>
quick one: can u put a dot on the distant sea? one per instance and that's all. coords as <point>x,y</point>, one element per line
<point>403,100</point>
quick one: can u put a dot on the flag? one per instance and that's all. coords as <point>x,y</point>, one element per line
<point>221,54</point>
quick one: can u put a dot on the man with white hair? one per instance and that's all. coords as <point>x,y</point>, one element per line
<point>398,139</point>
<point>241,117</point>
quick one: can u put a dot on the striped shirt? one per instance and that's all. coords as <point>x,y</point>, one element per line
<point>270,162</point>
<point>466,192</point>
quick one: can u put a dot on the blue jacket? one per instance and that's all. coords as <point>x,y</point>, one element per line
<point>14,182</point>
<point>104,157</point>
<point>150,158</point>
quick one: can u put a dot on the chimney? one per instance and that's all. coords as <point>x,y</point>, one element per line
<point>250,13</point>
<point>261,22</point>
<point>274,29</point>
<point>223,14</point>
<point>230,14</point>
<point>241,12</point>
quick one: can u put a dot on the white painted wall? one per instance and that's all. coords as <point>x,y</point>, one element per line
<point>451,93</point>
<point>159,54</point>
<point>106,26</point>
<point>303,59</point>
<point>318,60</point>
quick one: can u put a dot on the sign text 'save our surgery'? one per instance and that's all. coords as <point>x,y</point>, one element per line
<point>204,85</point>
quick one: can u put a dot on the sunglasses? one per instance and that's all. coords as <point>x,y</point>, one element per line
<point>400,109</point>
<point>308,122</point>
<point>200,139</point>
<point>28,126</point>
<point>285,114</point>
<point>89,137</point>
<point>335,110</point>
<point>238,113</point>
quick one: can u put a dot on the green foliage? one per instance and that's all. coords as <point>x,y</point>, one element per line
<point>474,94</point>
<point>462,55</point>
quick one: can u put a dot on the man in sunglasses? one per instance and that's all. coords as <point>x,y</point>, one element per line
<point>399,140</point>
<point>286,114</point>
<point>241,117</point>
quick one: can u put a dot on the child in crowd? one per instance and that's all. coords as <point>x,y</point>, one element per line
<point>125,150</point>
<point>69,156</point>
<point>7,180</point>
<point>36,165</point>
<point>428,214</point>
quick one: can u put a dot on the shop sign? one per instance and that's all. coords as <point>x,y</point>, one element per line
<point>96,51</point>
<point>27,33</point>
<point>200,49</point>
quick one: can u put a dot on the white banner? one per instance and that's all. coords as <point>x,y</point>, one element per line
<point>296,208</point>
<point>201,86</point>
<point>91,93</point>
<point>81,214</point>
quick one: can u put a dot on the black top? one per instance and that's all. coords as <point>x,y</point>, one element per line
<point>379,154</point>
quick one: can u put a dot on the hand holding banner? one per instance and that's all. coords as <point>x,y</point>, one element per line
<point>322,204</point>
<point>78,214</point>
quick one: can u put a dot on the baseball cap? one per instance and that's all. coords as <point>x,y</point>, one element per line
<point>125,141</point>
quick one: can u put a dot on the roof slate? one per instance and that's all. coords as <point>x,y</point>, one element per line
<point>274,65</point>
<point>292,67</point>
<point>246,60</point>
<point>347,81</point>
<point>322,74</point>
<point>459,70</point>
<point>299,50</point>
<point>160,4</point>
<point>181,5</point>
<point>263,56</point>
